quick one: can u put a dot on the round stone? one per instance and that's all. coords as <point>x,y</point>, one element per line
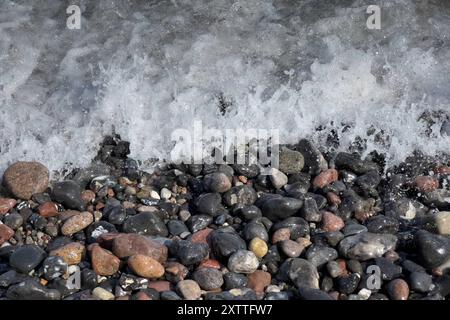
<point>325,178</point>
<point>217,182</point>
<point>258,247</point>
<point>77,223</point>
<point>23,179</point>
<point>280,235</point>
<point>243,261</point>
<point>277,208</point>
<point>48,209</point>
<point>398,289</point>
<point>189,289</point>
<point>290,161</point>
<point>26,258</point>
<point>225,242</point>
<point>13,220</point>
<point>145,266</point>
<point>208,278</point>
<point>104,263</point>
<point>189,253</point>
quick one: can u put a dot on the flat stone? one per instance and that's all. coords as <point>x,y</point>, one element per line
<point>68,193</point>
<point>23,179</point>
<point>25,258</point>
<point>126,245</point>
<point>278,208</point>
<point>48,209</point>
<point>147,223</point>
<point>72,253</point>
<point>31,290</point>
<point>77,223</point>
<point>102,294</point>
<point>319,255</point>
<point>364,246</point>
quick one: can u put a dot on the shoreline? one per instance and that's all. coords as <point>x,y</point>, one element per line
<point>322,226</point>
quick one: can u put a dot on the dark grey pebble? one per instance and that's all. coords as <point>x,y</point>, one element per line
<point>147,223</point>
<point>26,258</point>
<point>68,193</point>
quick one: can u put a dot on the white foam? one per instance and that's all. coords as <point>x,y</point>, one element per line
<point>150,68</point>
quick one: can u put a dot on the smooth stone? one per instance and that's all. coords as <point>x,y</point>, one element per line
<point>389,270</point>
<point>290,161</point>
<point>333,238</point>
<point>314,161</point>
<point>208,278</point>
<point>258,247</point>
<point>71,253</point>
<point>297,189</point>
<point>54,267</point>
<point>331,222</point>
<point>170,295</point>
<point>433,250</point>
<point>382,224</point>
<point>364,246</point>
<point>398,289</point>
<point>319,255</point>
<point>145,266</point>
<point>297,226</point>
<point>176,227</point>
<point>348,284</point>
<point>147,223</point>
<point>250,212</point>
<point>368,181</point>
<point>126,245</point>
<point>240,196</point>
<point>279,208</point>
<point>77,223</point>
<point>351,229</point>
<point>291,248</point>
<point>23,179</point>
<point>259,280</point>
<point>352,162</point>
<point>439,198</point>
<point>224,243</point>
<point>48,209</point>
<point>6,233</point>
<point>243,261</point>
<point>189,253</point>
<point>426,184</point>
<point>97,229</point>
<point>198,222</point>
<point>189,289</point>
<point>235,280</point>
<point>411,266</point>
<point>278,178</point>
<point>13,220</point>
<point>101,294</point>
<point>310,211</point>
<point>313,294</point>
<point>11,277</point>
<point>249,171</point>
<point>255,230</point>
<point>175,271</point>
<point>104,263</point>
<point>117,215</point>
<point>6,204</point>
<point>334,269</point>
<point>303,273</point>
<point>68,193</point>
<point>281,235</point>
<point>420,282</point>
<point>217,182</point>
<point>325,178</point>
<point>26,258</point>
<point>31,290</point>
<point>209,204</point>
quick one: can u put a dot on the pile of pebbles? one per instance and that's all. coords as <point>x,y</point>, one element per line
<point>322,226</point>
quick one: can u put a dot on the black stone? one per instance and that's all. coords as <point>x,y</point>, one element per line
<point>313,294</point>
<point>348,284</point>
<point>235,280</point>
<point>225,242</point>
<point>176,227</point>
<point>433,249</point>
<point>240,196</point>
<point>147,223</point>
<point>382,224</point>
<point>420,281</point>
<point>277,208</point>
<point>297,225</point>
<point>389,270</point>
<point>31,290</point>
<point>209,203</point>
<point>97,228</point>
<point>249,212</point>
<point>198,222</point>
<point>208,278</point>
<point>255,230</point>
<point>26,258</point>
<point>68,193</point>
<point>190,253</point>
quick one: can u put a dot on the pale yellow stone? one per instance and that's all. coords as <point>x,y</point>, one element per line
<point>258,247</point>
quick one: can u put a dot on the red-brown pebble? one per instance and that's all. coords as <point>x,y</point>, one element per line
<point>398,289</point>
<point>426,183</point>
<point>88,196</point>
<point>331,222</point>
<point>325,178</point>
<point>23,179</point>
<point>72,253</point>
<point>6,204</point>
<point>209,263</point>
<point>259,280</point>
<point>201,236</point>
<point>104,263</point>
<point>333,198</point>
<point>48,209</point>
<point>6,233</point>
<point>160,285</point>
<point>443,170</point>
<point>281,235</point>
<point>130,244</point>
<point>177,270</point>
